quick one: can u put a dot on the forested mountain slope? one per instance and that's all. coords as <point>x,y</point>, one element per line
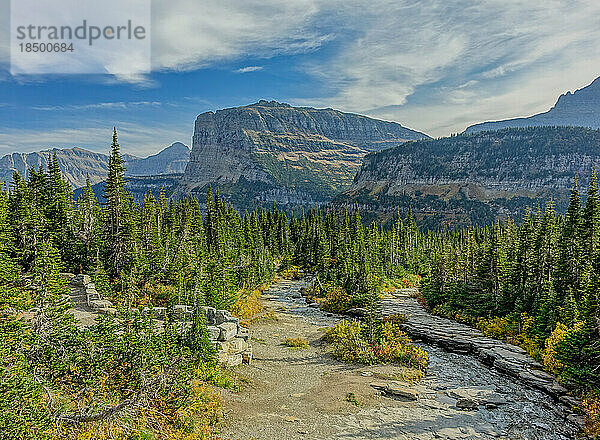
<point>77,164</point>
<point>478,177</point>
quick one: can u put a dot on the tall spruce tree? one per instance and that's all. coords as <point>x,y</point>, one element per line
<point>117,215</point>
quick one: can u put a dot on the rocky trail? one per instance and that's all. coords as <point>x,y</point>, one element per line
<point>304,394</point>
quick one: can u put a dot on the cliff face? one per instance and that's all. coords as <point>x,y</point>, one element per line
<point>76,163</point>
<point>581,108</point>
<point>283,153</point>
<point>485,175</point>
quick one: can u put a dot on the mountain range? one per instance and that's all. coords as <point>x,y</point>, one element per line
<point>271,152</point>
<point>77,164</point>
<point>581,108</point>
<point>476,178</point>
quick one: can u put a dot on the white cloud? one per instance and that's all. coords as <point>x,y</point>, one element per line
<point>188,34</point>
<point>249,69</point>
<point>440,66</point>
<point>433,65</point>
<point>98,106</point>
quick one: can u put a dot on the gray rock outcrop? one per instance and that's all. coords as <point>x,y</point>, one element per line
<point>460,338</point>
<point>292,152</point>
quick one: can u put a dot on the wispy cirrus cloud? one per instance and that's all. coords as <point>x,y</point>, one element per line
<point>440,66</point>
<point>249,69</point>
<point>98,106</point>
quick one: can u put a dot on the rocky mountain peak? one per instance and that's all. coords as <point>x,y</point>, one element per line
<point>580,108</point>
<point>300,149</point>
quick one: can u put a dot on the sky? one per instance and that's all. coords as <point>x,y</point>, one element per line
<point>436,66</point>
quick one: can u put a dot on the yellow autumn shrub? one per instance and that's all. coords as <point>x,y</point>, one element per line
<point>551,363</point>
<point>591,406</point>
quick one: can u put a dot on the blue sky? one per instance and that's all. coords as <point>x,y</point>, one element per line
<point>433,65</point>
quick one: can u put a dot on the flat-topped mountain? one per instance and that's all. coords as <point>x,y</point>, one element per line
<point>77,163</point>
<point>581,108</point>
<point>478,177</point>
<point>273,152</point>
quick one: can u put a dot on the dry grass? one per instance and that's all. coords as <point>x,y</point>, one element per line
<point>298,343</point>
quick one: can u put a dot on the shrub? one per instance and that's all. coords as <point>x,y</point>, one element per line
<point>299,343</point>
<point>551,363</point>
<point>591,405</point>
<point>394,346</point>
<point>337,300</point>
<point>514,329</point>
<point>350,344</point>
<point>248,304</point>
<point>291,273</point>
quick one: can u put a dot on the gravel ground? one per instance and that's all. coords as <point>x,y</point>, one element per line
<point>302,394</point>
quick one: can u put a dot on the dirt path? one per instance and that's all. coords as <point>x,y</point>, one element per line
<point>302,394</point>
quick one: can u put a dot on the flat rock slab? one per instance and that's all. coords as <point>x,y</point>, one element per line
<point>395,390</point>
<point>460,338</point>
<point>310,389</point>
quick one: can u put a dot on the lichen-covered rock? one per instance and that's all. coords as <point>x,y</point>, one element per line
<point>183,312</point>
<point>156,312</point>
<point>100,304</point>
<point>213,332</point>
<point>81,280</point>
<point>229,359</point>
<point>222,316</point>
<point>228,330</point>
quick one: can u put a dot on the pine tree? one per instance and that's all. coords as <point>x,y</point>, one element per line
<point>117,216</point>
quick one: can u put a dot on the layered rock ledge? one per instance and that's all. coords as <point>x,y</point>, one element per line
<point>460,338</point>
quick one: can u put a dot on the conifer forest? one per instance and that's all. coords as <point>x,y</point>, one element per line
<point>534,283</point>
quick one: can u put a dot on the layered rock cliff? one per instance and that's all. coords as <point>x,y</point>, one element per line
<point>481,176</point>
<point>278,153</point>
<point>581,108</point>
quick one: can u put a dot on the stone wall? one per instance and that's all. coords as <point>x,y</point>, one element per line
<point>229,338</point>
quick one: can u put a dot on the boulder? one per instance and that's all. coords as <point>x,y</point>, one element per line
<point>238,344</point>
<point>229,359</point>
<point>156,312</point>
<point>228,330</point>
<point>99,304</point>
<point>381,386</point>
<point>213,332</point>
<point>222,316</point>
<point>247,356</point>
<point>81,280</point>
<point>467,404</point>
<point>183,312</point>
